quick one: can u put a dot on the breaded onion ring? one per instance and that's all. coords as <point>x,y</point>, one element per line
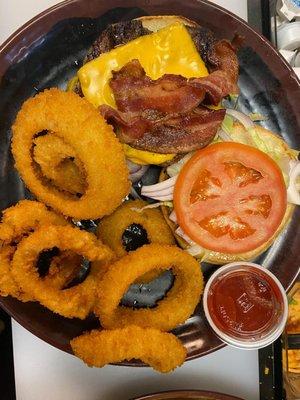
<point>178,304</point>
<point>17,221</point>
<point>79,124</point>
<point>8,285</point>
<point>63,269</point>
<point>112,230</point>
<point>59,163</point>
<point>76,301</point>
<point>25,217</point>
<point>162,351</point>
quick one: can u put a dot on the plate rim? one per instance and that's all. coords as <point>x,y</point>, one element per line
<point>47,13</point>
<point>192,394</point>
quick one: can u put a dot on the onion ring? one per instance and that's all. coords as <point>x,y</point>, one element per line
<point>25,217</point>
<point>76,301</point>
<point>79,124</point>
<point>17,221</point>
<point>178,304</point>
<point>162,351</point>
<point>59,163</point>
<point>111,230</point>
<point>63,269</point>
<point>8,286</point>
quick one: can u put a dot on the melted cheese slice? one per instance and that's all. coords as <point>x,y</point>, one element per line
<point>144,157</point>
<point>168,51</point>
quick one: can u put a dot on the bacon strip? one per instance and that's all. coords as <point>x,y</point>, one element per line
<point>170,133</point>
<point>135,91</point>
<point>165,115</point>
<point>216,85</point>
<point>225,54</point>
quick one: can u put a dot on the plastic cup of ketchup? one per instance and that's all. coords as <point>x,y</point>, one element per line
<point>246,305</point>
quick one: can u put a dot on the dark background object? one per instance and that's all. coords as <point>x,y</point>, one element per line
<point>259,15</point>
<point>270,372</point>
<point>7,378</point>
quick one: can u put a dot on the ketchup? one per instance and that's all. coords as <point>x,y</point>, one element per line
<point>245,304</point>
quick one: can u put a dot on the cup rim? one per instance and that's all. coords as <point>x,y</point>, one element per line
<point>241,344</point>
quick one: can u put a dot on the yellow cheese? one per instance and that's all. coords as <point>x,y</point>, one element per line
<point>217,107</point>
<point>72,84</point>
<point>146,157</point>
<point>168,51</point>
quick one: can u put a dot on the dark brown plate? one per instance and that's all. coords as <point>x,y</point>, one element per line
<point>188,394</point>
<point>50,48</point>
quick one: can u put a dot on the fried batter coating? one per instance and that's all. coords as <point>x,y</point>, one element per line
<point>162,351</point>
<point>63,269</point>
<point>112,228</point>
<point>178,304</point>
<point>8,285</point>
<point>59,163</point>
<point>76,301</point>
<point>25,217</point>
<point>17,221</point>
<point>79,124</point>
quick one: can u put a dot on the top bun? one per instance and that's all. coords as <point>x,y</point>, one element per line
<point>155,23</point>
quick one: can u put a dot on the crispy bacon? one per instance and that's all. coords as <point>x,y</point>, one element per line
<point>227,62</point>
<point>167,115</point>
<point>168,133</point>
<point>218,55</point>
<point>135,91</point>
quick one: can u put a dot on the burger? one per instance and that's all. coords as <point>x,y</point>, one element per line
<point>159,81</point>
<point>225,188</point>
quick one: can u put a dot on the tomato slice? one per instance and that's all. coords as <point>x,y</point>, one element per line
<point>230,197</point>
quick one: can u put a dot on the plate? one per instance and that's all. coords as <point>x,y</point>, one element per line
<point>49,49</point>
<point>188,394</point>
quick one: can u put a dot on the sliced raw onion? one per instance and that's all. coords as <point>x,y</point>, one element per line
<point>293,189</point>
<point>159,197</point>
<point>162,191</point>
<point>195,250</point>
<point>153,205</point>
<point>168,183</point>
<point>133,167</point>
<point>174,169</point>
<point>166,191</point>
<point>241,117</point>
<point>136,171</point>
<point>136,176</point>
<point>184,236</point>
<point>173,217</point>
<point>224,136</point>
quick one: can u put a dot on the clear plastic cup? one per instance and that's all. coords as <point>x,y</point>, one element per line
<point>246,305</point>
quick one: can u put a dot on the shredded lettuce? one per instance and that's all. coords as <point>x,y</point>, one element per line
<point>265,141</point>
<point>257,117</point>
<point>293,302</point>
<point>174,169</point>
<point>227,124</point>
<point>153,205</point>
<point>231,101</point>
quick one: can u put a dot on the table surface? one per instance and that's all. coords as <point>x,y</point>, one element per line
<point>43,372</point>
